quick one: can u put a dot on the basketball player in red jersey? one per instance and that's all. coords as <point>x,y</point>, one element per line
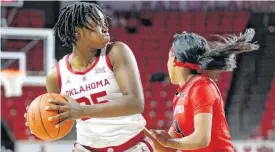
<point>199,123</point>
<point>101,82</point>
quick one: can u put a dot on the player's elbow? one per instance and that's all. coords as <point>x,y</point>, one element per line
<point>139,104</point>
<point>203,141</point>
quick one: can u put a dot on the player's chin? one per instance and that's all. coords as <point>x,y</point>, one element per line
<point>172,80</point>
<point>103,44</point>
<point>106,41</point>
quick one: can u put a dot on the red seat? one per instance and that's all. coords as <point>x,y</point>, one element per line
<point>14,109</point>
<point>29,18</point>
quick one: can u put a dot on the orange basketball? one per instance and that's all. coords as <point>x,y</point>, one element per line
<point>37,118</point>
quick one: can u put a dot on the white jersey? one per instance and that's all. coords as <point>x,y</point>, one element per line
<point>90,87</point>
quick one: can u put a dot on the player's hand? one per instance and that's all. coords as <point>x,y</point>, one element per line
<point>161,136</point>
<point>70,110</point>
<point>25,116</point>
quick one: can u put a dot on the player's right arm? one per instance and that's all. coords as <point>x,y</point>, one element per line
<point>51,85</point>
<point>157,146</point>
<point>51,81</point>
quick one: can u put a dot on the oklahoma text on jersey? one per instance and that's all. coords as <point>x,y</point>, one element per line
<point>87,87</point>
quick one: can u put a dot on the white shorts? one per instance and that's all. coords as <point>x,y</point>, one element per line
<point>144,146</point>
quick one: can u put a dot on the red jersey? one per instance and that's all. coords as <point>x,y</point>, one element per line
<point>201,95</point>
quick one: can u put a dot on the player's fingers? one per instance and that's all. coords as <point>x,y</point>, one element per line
<point>25,115</point>
<point>61,123</point>
<point>62,115</point>
<point>27,107</point>
<point>58,102</point>
<point>57,107</point>
<point>154,134</point>
<point>31,131</point>
<point>158,131</point>
<point>26,124</point>
<point>154,131</point>
<point>66,97</point>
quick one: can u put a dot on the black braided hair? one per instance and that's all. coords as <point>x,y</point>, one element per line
<point>76,16</point>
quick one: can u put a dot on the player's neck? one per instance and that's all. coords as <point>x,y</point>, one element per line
<point>82,57</point>
<point>184,78</point>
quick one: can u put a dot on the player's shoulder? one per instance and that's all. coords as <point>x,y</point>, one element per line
<point>52,73</point>
<point>52,80</point>
<point>202,82</point>
<point>118,44</point>
<point>120,52</point>
<point>118,47</point>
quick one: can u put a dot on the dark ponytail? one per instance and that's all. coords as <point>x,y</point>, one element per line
<point>221,55</point>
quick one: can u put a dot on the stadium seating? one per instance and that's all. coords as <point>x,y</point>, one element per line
<point>150,45</point>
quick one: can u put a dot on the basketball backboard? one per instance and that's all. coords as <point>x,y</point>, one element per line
<point>30,50</point>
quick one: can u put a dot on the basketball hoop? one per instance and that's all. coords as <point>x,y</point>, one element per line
<point>12,80</point>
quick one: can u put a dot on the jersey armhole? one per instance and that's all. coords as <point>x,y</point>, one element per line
<point>108,61</point>
<point>59,82</point>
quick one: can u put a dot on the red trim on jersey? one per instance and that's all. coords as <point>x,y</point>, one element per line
<point>148,145</point>
<point>80,72</point>
<point>129,144</point>
<point>108,61</point>
<point>59,82</point>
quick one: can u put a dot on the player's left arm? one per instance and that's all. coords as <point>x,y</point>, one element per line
<point>200,138</point>
<point>127,76</point>
<point>202,100</point>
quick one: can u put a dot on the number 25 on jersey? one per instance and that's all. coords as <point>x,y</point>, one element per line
<point>93,99</point>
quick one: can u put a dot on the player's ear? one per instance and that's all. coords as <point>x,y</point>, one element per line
<point>78,33</point>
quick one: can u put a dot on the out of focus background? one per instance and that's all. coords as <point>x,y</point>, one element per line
<point>28,45</point>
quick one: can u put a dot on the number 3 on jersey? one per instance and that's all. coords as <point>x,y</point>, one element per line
<point>94,99</point>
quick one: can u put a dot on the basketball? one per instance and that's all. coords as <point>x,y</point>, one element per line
<point>37,118</point>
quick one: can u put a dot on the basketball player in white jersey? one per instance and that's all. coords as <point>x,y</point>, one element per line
<point>101,80</point>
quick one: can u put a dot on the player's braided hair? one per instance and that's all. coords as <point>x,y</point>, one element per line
<point>220,55</point>
<point>76,16</point>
